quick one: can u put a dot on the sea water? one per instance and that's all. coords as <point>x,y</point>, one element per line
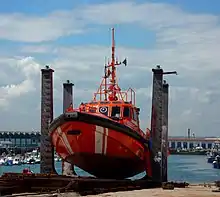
<point>189,168</point>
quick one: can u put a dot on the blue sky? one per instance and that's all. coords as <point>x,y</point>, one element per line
<point>74,38</point>
<point>126,36</point>
<point>43,7</point>
<point>195,6</point>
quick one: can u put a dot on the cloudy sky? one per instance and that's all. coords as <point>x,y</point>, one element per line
<point>74,38</point>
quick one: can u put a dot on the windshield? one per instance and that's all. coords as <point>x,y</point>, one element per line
<point>115,112</point>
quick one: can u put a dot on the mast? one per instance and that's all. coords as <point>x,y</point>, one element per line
<point>113,58</point>
<point>109,87</point>
<point>105,82</point>
<point>113,88</point>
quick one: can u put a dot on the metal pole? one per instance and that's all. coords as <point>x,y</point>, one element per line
<point>46,148</point>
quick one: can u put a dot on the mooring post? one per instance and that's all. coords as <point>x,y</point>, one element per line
<point>156,123</point>
<point>164,145</point>
<point>67,168</point>
<point>46,148</point>
<point>67,95</point>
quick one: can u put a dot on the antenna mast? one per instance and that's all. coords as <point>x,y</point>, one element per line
<point>109,87</point>
<point>113,88</point>
<point>105,81</point>
<point>113,58</point>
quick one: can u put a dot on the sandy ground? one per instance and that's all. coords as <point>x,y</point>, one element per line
<point>191,191</point>
<point>177,192</point>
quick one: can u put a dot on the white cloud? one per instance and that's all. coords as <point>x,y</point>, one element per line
<point>185,41</point>
<point>21,27</point>
<point>37,49</point>
<point>32,28</point>
<point>25,68</point>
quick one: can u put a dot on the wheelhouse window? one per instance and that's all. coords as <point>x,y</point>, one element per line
<point>92,109</point>
<point>126,112</point>
<point>115,112</point>
<point>135,116</point>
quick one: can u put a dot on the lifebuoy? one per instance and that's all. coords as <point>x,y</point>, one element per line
<point>103,110</point>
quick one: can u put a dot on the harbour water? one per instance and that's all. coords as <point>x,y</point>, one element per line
<point>189,168</point>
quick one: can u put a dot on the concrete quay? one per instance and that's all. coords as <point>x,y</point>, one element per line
<point>196,190</point>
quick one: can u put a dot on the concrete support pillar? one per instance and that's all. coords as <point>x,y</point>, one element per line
<point>164,147</point>
<point>195,144</point>
<point>67,95</point>
<point>169,144</point>
<point>176,144</point>
<point>67,168</point>
<point>213,144</point>
<point>156,122</point>
<point>46,148</point>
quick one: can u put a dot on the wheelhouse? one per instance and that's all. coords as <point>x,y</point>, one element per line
<point>114,109</point>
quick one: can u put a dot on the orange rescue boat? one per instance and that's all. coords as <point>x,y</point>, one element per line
<point>103,137</point>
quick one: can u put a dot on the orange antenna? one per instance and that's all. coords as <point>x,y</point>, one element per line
<point>113,87</point>
<point>109,87</point>
<point>113,57</point>
<point>105,80</point>
<point>113,46</point>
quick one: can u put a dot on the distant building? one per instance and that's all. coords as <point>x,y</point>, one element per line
<point>190,142</point>
<point>19,141</point>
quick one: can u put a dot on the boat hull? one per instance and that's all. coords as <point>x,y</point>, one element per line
<point>216,165</point>
<point>100,150</point>
<point>210,159</point>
